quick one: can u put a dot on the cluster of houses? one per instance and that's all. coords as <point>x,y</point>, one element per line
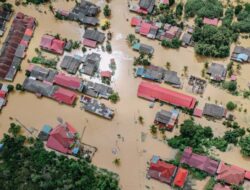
<point>84,12</point>
<point>15,45</point>
<point>65,139</point>
<point>94,106</point>
<point>93,37</point>
<point>53,84</point>
<point>5,16</point>
<point>3,95</point>
<point>241,54</point>
<point>167,173</point>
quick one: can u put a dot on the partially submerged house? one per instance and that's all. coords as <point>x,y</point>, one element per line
<point>85,12</point>
<point>211,21</point>
<point>41,73</point>
<point>215,111</point>
<point>15,45</point>
<point>5,15</point>
<point>217,72</point>
<point>155,92</point>
<point>200,162</point>
<point>166,119</point>
<point>230,174</point>
<point>92,37</point>
<point>171,32</point>
<point>97,90</point>
<point>161,170</point>
<point>180,178</point>
<point>186,40</point>
<point>152,73</point>
<point>143,48</point>
<point>52,44</point>
<point>70,64</point>
<point>171,78</point>
<point>241,54</point>
<point>90,64</point>
<point>94,106</point>
<point>3,95</point>
<point>62,138</point>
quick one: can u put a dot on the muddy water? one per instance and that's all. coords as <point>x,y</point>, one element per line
<point>133,152</point>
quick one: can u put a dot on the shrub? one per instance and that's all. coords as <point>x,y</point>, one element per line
<point>231,106</point>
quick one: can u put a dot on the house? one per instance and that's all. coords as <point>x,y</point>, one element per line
<point>97,90</point>
<point>230,174</point>
<point>171,78</point>
<point>106,74</point>
<point>186,39</point>
<point>147,6</point>
<point>93,36</point>
<point>166,119</point>
<point>217,72</point>
<point>70,64</point>
<point>171,32</point>
<point>45,132</point>
<point>198,112</point>
<point>161,170</point>
<point>145,28</point>
<point>200,162</point>
<point>215,111</point>
<point>69,82</point>
<point>247,175</point>
<point>94,106</point>
<point>62,138</point>
<point>211,21</point>
<point>135,21</point>
<point>90,64</point>
<point>153,73</point>
<point>218,186</point>
<point>51,44</point>
<point>62,95</point>
<point>143,48</point>
<point>241,54</point>
<point>89,43</point>
<point>180,178</point>
<point>154,92</point>
<point>41,73</point>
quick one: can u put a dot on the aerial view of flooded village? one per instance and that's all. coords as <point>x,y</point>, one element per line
<point>124,94</point>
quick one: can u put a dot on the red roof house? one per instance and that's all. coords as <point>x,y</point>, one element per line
<point>2,94</point>
<point>231,174</point>
<point>181,177</point>
<point>57,46</point>
<point>209,21</point>
<point>61,138</point>
<point>46,41</point>
<point>145,28</point>
<point>28,32</point>
<point>67,81</point>
<point>162,171</point>
<point>106,74</point>
<point>50,43</point>
<point>218,186</point>
<point>152,91</point>
<point>135,21</point>
<point>64,96</point>
<point>89,43</point>
<point>200,162</point>
<point>247,175</point>
<point>198,112</point>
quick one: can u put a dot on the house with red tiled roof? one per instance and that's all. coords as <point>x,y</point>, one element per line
<point>106,74</point>
<point>180,178</point>
<point>67,81</point>
<point>200,162</point>
<point>218,186</point>
<point>145,28</point>
<point>211,21</point>
<point>135,21</point>
<point>247,175</point>
<point>61,138</point>
<point>230,174</point>
<point>51,44</point>
<point>64,96</point>
<point>152,92</point>
<point>161,170</point>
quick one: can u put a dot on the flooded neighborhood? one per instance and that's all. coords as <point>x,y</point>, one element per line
<point>130,92</point>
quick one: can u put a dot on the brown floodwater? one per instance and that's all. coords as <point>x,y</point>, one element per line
<point>134,150</point>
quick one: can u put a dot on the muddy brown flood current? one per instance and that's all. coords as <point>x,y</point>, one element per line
<point>133,152</point>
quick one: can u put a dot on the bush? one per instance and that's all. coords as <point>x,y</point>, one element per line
<point>231,106</point>
<point>114,97</point>
<point>106,11</point>
<point>10,88</point>
<point>245,146</point>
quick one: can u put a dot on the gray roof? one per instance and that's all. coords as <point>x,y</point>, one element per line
<point>171,77</point>
<point>240,49</point>
<point>39,87</point>
<point>2,102</point>
<point>147,4</point>
<point>20,51</point>
<point>70,64</point>
<point>42,73</point>
<point>146,49</point>
<point>88,69</point>
<point>213,110</point>
<point>186,38</point>
<point>96,89</point>
<point>94,35</point>
<point>89,20</point>
<point>93,58</point>
<point>217,71</point>
<point>163,116</point>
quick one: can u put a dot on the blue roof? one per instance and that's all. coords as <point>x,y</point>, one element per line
<point>47,129</point>
<point>136,46</point>
<point>75,150</point>
<point>175,112</point>
<point>1,146</point>
<point>139,71</point>
<point>242,57</point>
<point>155,159</point>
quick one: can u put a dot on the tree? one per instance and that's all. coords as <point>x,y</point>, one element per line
<point>232,86</point>
<point>108,47</point>
<point>179,10</point>
<point>131,39</point>
<point>231,106</point>
<point>117,161</point>
<point>107,11</point>
<point>141,120</point>
<point>237,9</point>
<point>19,87</point>
<point>14,129</point>
<point>153,129</point>
<point>245,146</point>
<point>114,97</point>
<point>10,88</point>
<point>185,70</point>
<point>168,65</point>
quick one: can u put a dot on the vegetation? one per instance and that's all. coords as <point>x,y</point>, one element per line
<point>231,106</point>
<point>196,173</point>
<point>131,39</point>
<point>245,145</point>
<point>153,129</point>
<point>243,18</point>
<point>117,161</point>
<point>50,63</point>
<point>175,43</point>
<point>32,167</point>
<point>231,86</point>
<point>107,11</point>
<point>114,97</point>
<point>228,18</point>
<point>143,59</point>
<point>37,2</point>
<point>10,88</point>
<point>179,10</point>
<point>141,119</point>
<point>7,7</point>
<point>19,87</point>
<point>108,47</point>
<point>232,136</point>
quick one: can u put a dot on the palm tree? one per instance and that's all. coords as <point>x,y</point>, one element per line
<point>168,65</point>
<point>131,39</point>
<point>185,69</point>
<point>153,129</point>
<point>117,161</point>
<point>141,119</point>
